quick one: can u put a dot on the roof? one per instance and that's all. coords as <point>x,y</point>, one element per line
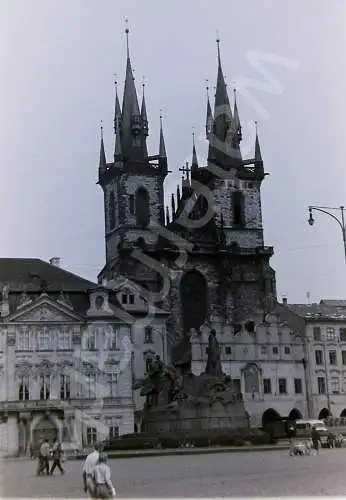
<point>325,310</point>
<point>32,274</point>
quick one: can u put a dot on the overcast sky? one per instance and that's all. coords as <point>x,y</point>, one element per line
<point>57,60</point>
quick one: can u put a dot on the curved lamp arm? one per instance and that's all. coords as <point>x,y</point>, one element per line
<point>327,213</point>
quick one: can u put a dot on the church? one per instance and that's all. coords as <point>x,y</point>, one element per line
<point>72,350</point>
<point>202,263</point>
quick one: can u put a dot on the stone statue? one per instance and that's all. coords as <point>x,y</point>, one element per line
<point>5,291</point>
<point>213,367</point>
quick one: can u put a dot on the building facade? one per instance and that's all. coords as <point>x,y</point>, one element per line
<point>325,338</point>
<point>65,358</point>
<point>267,363</point>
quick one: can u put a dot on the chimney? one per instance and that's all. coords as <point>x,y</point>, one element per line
<point>55,261</point>
<point>284,300</point>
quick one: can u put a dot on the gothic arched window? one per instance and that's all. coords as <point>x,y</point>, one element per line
<point>142,207</point>
<point>194,300</point>
<point>111,211</point>
<point>238,208</point>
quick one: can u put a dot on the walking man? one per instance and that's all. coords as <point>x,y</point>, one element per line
<point>43,459</point>
<point>88,470</point>
<point>316,440</point>
<point>102,475</point>
<point>56,454</point>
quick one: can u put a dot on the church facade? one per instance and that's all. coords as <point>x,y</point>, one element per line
<point>203,262</point>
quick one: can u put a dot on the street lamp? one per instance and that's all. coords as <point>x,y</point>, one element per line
<point>340,221</point>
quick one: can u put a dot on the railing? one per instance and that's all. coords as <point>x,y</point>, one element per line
<point>57,404</point>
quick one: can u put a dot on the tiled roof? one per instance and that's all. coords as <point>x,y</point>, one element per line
<point>322,311</point>
<point>32,275</point>
<point>29,274</point>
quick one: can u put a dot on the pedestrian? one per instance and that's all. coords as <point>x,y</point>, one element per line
<point>88,469</point>
<point>56,456</point>
<point>44,458</point>
<point>102,476</point>
<point>291,436</point>
<point>31,450</point>
<point>316,440</point>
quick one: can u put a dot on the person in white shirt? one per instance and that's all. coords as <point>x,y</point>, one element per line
<point>88,468</point>
<point>102,476</point>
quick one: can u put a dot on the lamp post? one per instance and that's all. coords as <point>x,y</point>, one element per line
<point>340,221</point>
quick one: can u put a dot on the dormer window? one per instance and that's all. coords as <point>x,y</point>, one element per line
<point>124,298</point>
<point>131,299</point>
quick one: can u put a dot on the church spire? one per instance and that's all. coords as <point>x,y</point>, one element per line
<point>162,148</point>
<point>258,154</point>
<point>144,113</point>
<point>173,205</point>
<point>209,119</point>
<point>194,164</point>
<point>236,120</point>
<point>131,117</point>
<point>223,145</point>
<point>103,162</point>
<point>118,149</point>
<point>117,109</point>
<point>221,95</point>
<point>144,118</point>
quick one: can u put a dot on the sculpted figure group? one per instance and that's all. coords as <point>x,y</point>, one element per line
<point>165,385</point>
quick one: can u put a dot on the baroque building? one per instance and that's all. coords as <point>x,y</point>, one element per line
<point>325,338</point>
<point>65,358</point>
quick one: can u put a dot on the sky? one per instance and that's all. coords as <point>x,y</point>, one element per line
<point>57,61</point>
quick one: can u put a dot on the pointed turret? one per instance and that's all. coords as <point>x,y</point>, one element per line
<point>236,119</point>
<point>173,205</point>
<point>144,115</point>
<point>178,195</point>
<point>223,148</point>
<point>132,146</point>
<point>118,153</point>
<point>103,162</point>
<point>117,109</point>
<point>194,164</point>
<point>162,149</point>
<point>222,105</point>
<point>209,119</point>
<point>258,154</point>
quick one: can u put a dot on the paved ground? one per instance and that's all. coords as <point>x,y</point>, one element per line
<point>271,473</point>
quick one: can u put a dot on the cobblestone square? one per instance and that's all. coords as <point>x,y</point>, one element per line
<point>271,473</point>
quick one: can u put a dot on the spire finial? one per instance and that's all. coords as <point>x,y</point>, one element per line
<point>207,87</point>
<point>143,84</point>
<point>127,31</point>
<point>256,126</point>
<point>101,129</point>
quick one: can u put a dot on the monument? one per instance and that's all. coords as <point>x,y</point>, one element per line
<point>177,400</point>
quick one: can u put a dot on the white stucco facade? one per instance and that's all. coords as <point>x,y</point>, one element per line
<point>63,374</point>
<point>267,364</point>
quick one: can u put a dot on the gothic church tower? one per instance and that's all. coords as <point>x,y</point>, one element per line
<point>133,182</point>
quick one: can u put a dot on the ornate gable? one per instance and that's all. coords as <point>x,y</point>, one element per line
<point>45,310</point>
